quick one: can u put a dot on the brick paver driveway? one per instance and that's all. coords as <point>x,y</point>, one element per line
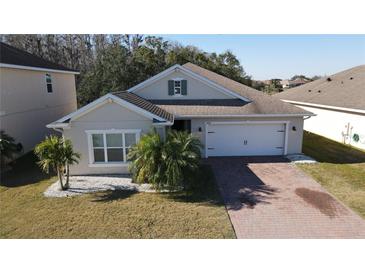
<point>267,197</point>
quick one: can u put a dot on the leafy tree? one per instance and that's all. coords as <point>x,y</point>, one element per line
<point>169,164</point>
<point>118,62</point>
<point>57,153</point>
<point>8,148</point>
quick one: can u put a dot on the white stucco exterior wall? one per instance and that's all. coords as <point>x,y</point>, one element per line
<point>109,116</point>
<point>26,107</point>
<point>334,125</point>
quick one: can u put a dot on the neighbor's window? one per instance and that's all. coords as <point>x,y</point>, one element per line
<point>112,147</point>
<point>49,83</point>
<point>177,87</point>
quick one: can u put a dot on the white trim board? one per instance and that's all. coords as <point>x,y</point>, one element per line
<point>108,98</point>
<point>192,75</point>
<point>3,65</point>
<point>325,106</point>
<point>242,115</point>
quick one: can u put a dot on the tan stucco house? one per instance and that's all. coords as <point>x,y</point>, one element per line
<point>339,104</point>
<point>229,118</point>
<point>33,93</point>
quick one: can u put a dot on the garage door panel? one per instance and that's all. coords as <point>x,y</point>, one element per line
<point>245,139</point>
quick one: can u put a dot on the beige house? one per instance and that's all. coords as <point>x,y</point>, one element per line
<point>339,104</point>
<point>33,93</point>
<point>229,118</point>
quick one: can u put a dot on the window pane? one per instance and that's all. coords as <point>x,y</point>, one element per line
<point>130,139</point>
<point>98,140</point>
<point>99,155</point>
<point>114,140</point>
<point>49,88</point>
<point>177,83</point>
<point>115,155</point>
<point>48,78</point>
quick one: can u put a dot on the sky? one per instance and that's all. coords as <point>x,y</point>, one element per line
<point>283,56</point>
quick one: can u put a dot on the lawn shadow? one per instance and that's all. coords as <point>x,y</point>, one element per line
<point>24,171</point>
<point>328,151</point>
<point>113,195</point>
<point>203,189</point>
<point>239,185</point>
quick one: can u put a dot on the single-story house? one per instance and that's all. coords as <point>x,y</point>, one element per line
<point>229,118</point>
<point>339,104</point>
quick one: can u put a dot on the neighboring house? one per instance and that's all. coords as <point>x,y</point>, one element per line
<point>33,93</point>
<point>293,83</point>
<point>229,118</point>
<point>339,103</point>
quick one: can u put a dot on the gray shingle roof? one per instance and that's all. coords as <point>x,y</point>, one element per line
<point>344,89</point>
<point>144,104</point>
<point>261,103</point>
<point>13,56</point>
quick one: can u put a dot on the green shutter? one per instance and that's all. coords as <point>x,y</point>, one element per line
<point>184,87</point>
<point>171,87</point>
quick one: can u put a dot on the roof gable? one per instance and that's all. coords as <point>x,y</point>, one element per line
<point>185,71</point>
<point>129,101</point>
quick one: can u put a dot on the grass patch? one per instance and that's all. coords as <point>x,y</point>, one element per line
<point>26,213</point>
<point>341,169</point>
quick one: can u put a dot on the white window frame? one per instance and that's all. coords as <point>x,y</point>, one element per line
<point>175,81</point>
<point>92,162</point>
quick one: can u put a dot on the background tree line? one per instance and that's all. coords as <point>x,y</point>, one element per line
<point>117,62</point>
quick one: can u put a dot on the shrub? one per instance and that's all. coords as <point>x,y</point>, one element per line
<point>57,153</point>
<point>8,148</point>
<point>169,164</point>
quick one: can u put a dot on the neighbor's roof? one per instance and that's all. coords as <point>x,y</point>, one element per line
<point>345,89</point>
<point>144,104</point>
<point>261,103</point>
<point>13,56</point>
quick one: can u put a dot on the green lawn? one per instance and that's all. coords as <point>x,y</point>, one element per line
<point>26,213</point>
<point>341,169</point>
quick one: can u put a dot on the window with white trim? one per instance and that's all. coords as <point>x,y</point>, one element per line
<point>111,146</point>
<point>177,87</point>
<point>49,83</point>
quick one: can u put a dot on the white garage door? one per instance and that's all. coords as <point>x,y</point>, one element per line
<point>245,139</point>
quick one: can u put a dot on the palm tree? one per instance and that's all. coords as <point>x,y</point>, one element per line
<point>146,158</point>
<point>8,148</point>
<point>57,153</point>
<point>165,165</point>
<point>181,157</point>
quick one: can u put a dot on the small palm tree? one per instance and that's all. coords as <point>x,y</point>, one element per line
<point>181,157</point>
<point>165,165</point>
<point>57,153</point>
<point>146,158</point>
<point>8,148</point>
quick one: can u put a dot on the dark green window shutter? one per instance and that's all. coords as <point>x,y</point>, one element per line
<point>184,87</point>
<point>171,87</point>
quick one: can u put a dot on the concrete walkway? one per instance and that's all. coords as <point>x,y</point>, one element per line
<point>267,197</point>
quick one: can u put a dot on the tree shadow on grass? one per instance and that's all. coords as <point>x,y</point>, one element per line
<point>328,151</point>
<point>24,171</point>
<point>203,189</point>
<point>112,195</point>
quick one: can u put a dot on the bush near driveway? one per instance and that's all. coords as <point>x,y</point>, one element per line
<point>170,164</point>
